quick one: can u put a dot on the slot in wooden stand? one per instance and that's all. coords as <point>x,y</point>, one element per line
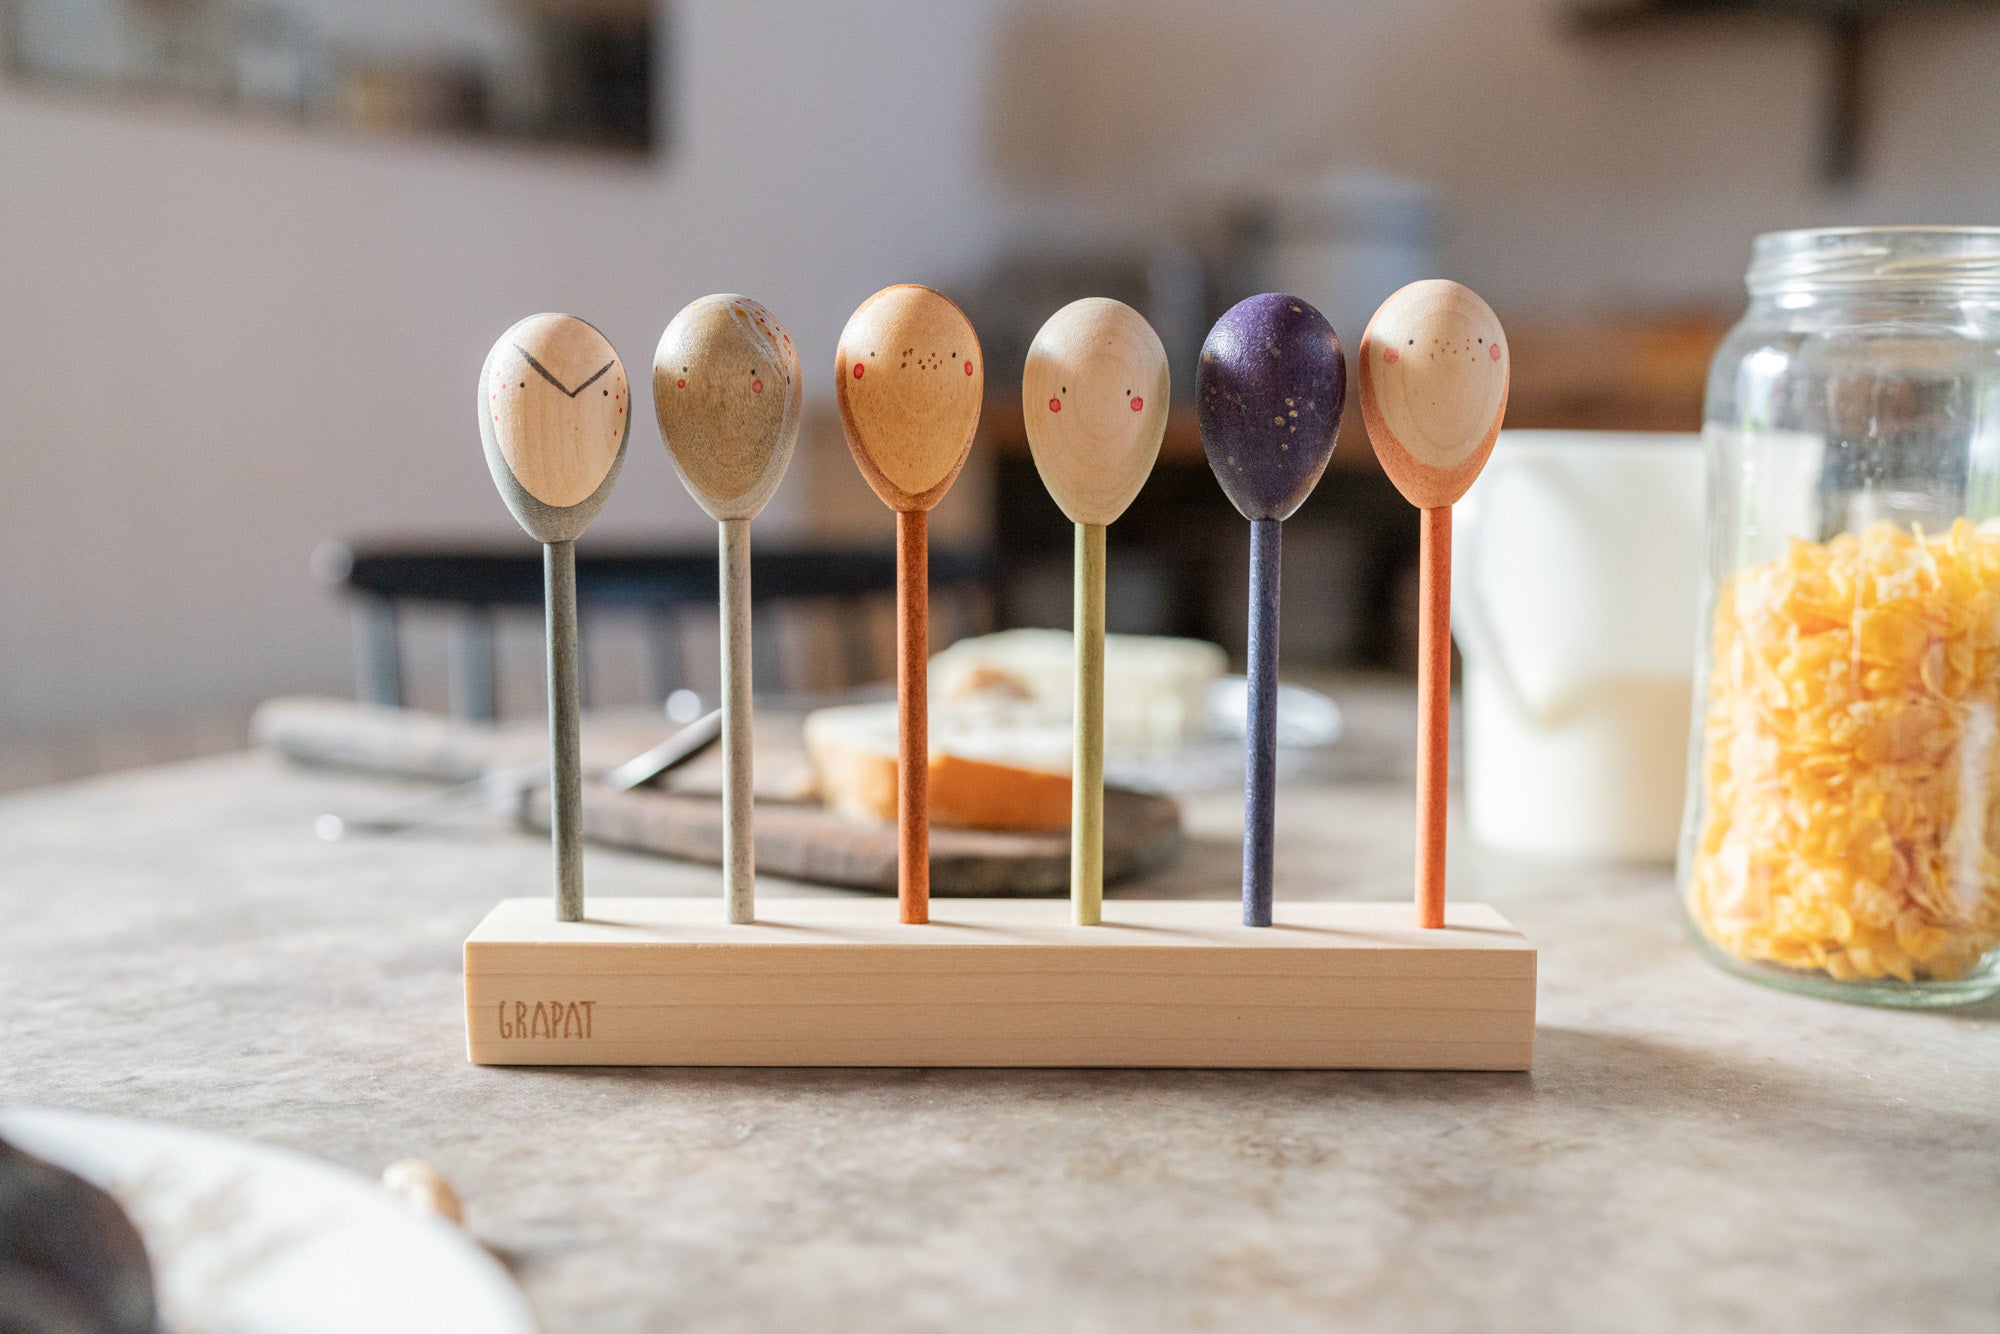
<point>999,982</point>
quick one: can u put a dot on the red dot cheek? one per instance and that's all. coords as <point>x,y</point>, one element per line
<point>858,368</point>
<point>756,386</point>
<point>680,384</point>
<point>968,368</point>
<point>1055,405</point>
<point>1138,403</point>
<point>1391,357</point>
<point>1493,351</point>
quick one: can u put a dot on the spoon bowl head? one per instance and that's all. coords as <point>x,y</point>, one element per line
<point>1433,382</point>
<point>910,381</point>
<point>1269,391</point>
<point>727,391</point>
<point>1094,398</point>
<point>554,415</point>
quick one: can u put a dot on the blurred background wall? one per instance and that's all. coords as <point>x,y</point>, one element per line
<point>226,340</point>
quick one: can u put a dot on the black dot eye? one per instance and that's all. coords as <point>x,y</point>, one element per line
<point>607,393</point>
<point>524,384</point>
<point>1413,342</point>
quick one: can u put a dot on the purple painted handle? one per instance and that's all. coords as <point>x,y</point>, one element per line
<point>1260,725</point>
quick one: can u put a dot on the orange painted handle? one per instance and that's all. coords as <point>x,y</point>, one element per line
<point>1433,711</point>
<point>913,642</point>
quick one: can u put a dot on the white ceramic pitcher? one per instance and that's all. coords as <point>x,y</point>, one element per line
<point>1576,587</point>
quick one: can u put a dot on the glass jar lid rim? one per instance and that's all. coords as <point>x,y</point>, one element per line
<point>1952,258</point>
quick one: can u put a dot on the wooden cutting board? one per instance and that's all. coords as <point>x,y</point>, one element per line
<point>1142,832</point>
<point>797,838</point>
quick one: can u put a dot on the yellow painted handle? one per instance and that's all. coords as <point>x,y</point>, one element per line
<point>1086,847</point>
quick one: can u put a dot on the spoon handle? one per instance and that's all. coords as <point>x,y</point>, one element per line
<point>1086,793</point>
<point>565,764</point>
<point>1433,710</point>
<point>1260,724</point>
<point>913,798</point>
<point>739,858</point>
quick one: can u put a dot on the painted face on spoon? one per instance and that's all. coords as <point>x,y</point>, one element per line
<point>1094,398</point>
<point>728,395</point>
<point>1434,372</point>
<point>554,415</point>
<point>558,402</point>
<point>910,380</point>
<point>1269,391</point>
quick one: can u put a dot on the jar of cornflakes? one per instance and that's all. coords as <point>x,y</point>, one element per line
<point>1842,833</point>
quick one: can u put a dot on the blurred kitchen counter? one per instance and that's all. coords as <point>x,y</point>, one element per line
<point>1690,1152</point>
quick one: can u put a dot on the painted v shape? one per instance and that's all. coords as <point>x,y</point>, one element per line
<point>543,371</point>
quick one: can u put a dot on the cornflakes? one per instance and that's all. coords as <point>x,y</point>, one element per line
<point>1852,817</point>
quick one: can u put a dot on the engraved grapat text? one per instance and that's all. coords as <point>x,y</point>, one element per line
<point>554,1019</point>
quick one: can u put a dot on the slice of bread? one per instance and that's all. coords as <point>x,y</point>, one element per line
<point>1156,689</point>
<point>994,764</point>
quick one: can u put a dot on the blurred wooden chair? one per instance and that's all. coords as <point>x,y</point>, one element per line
<point>837,584</point>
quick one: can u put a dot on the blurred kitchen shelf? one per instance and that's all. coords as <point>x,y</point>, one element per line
<point>1626,15</point>
<point>1605,374</point>
<point>1853,30</point>
<point>1586,373</point>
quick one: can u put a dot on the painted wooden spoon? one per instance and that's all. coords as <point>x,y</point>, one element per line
<point>910,380</point>
<point>1433,385</point>
<point>1270,389</point>
<point>554,415</point>
<point>1094,397</point>
<point>728,395</point>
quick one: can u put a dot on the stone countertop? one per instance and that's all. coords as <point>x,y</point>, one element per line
<point>1690,1152</point>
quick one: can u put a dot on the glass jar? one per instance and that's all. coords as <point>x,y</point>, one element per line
<point>1842,829</point>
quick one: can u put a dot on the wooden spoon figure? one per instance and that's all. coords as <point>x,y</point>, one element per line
<point>1094,397</point>
<point>910,380</point>
<point>1433,386</point>
<point>727,391</point>
<point>1270,388</point>
<point>554,415</point>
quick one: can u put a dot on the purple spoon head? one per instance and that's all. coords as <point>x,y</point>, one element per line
<point>1269,393</point>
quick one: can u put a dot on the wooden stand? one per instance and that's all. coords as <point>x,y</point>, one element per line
<point>999,982</point>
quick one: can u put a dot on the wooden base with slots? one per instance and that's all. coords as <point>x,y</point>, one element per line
<point>998,982</point>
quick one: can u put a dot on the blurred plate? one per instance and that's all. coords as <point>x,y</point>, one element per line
<point>1305,717</point>
<point>1307,722</point>
<point>245,1237</point>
